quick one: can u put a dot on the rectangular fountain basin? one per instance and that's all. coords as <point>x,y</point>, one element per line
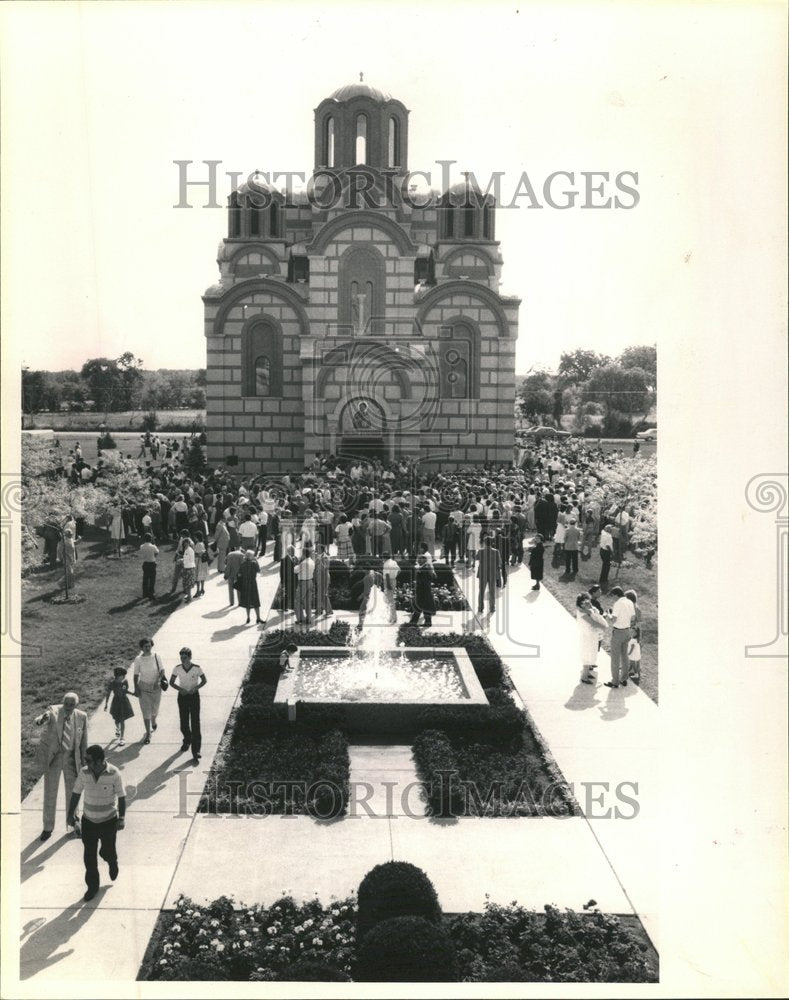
<point>384,699</point>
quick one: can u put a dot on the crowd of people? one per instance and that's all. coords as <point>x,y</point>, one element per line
<point>378,516</point>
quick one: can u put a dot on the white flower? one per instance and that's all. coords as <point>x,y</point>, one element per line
<point>176,928</point>
<point>167,948</point>
<point>214,922</point>
<point>242,933</point>
<point>317,941</point>
<point>163,962</point>
<point>247,944</point>
<point>176,945</point>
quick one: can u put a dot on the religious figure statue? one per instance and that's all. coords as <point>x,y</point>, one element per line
<point>360,419</point>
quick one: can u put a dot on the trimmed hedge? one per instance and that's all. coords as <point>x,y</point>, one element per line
<point>406,950</point>
<point>262,750</point>
<point>513,944</point>
<point>395,889</point>
<point>310,970</point>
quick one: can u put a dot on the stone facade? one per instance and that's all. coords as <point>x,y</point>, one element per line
<point>359,324</point>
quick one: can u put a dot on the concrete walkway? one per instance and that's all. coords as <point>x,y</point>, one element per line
<point>166,849</point>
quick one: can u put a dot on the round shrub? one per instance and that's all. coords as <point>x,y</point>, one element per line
<point>312,970</point>
<point>406,950</point>
<point>395,889</point>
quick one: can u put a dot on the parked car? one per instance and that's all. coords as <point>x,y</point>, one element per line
<point>538,433</point>
<point>647,435</point>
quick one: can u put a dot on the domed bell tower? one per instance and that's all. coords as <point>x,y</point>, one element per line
<point>361,125</point>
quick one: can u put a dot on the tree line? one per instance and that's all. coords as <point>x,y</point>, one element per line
<point>113,385</point>
<point>609,395</point>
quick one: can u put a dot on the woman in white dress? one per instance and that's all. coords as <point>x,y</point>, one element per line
<point>591,625</point>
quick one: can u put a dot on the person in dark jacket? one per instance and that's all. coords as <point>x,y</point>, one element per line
<point>536,560</point>
<point>542,516</point>
<point>287,580</point>
<point>247,585</point>
<point>424,601</point>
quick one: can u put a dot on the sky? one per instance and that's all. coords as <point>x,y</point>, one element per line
<point>100,99</point>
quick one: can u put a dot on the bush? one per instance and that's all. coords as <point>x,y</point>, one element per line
<point>395,889</point>
<point>310,970</point>
<point>406,950</point>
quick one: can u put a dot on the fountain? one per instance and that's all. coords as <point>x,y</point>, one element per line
<point>371,675</point>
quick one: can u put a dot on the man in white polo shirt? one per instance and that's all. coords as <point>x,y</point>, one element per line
<point>187,678</point>
<point>103,812</point>
<point>305,572</point>
<point>621,616</point>
<point>248,532</point>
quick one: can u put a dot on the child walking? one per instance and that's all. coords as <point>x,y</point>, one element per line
<point>634,655</point>
<point>120,708</point>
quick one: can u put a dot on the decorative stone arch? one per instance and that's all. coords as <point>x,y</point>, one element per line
<point>233,296</point>
<point>479,252</point>
<point>349,220</point>
<point>261,338</point>
<point>365,268</point>
<point>480,292</point>
<point>236,258</point>
<point>367,355</point>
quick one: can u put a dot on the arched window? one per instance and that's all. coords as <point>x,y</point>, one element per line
<point>328,143</point>
<point>487,222</point>
<point>261,358</point>
<point>234,223</point>
<point>262,376</point>
<point>254,221</point>
<point>394,142</point>
<point>274,219</point>
<point>362,286</point>
<point>468,221</point>
<point>361,139</point>
<point>447,222</point>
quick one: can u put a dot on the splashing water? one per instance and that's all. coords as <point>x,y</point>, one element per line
<point>373,671</point>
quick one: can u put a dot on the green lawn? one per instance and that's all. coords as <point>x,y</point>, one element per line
<point>79,644</point>
<point>634,576</point>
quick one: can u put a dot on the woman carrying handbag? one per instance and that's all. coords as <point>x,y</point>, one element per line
<point>149,682</point>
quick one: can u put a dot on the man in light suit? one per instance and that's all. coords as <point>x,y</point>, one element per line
<point>61,750</point>
<point>489,574</point>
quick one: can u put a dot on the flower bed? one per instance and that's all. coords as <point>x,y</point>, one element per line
<point>252,943</point>
<point>511,944</point>
<point>488,760</point>
<point>291,941</point>
<point>266,765</point>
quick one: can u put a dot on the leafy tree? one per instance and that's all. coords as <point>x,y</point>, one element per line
<point>619,390</point>
<point>577,366</point>
<point>104,381</point>
<point>645,358</point>
<point>194,460</point>
<point>34,387</point>
<point>535,395</point>
<point>631,485</point>
<point>129,380</point>
<point>121,482</point>
<point>49,499</point>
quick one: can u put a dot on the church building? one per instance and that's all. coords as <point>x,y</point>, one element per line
<point>357,317</point>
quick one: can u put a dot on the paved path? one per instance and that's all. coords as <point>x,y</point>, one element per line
<point>167,849</point>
